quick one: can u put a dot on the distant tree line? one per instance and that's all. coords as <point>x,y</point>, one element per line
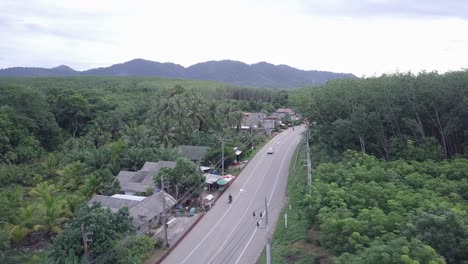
<point>389,115</point>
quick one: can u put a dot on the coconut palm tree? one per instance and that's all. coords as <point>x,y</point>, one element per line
<point>72,176</point>
<point>27,223</point>
<point>52,164</point>
<point>137,135</point>
<point>98,158</point>
<point>166,130</point>
<point>54,210</point>
<point>167,154</point>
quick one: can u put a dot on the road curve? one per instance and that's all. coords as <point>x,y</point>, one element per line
<point>228,233</point>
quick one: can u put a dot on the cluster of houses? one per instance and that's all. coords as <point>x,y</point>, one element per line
<point>268,123</point>
<point>147,212</point>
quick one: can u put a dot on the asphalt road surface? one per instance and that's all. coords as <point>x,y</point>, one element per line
<point>228,233</point>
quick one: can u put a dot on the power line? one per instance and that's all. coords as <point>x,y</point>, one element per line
<point>244,233</point>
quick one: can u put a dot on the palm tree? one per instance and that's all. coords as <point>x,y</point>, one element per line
<point>224,109</point>
<point>72,176</point>
<point>52,164</point>
<point>167,154</point>
<point>137,135</point>
<point>98,158</point>
<point>133,158</point>
<point>54,208</point>
<point>235,119</point>
<point>196,110</point>
<point>26,224</point>
<point>166,130</point>
<point>212,116</point>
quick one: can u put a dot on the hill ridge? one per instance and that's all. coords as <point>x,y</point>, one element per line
<point>261,74</point>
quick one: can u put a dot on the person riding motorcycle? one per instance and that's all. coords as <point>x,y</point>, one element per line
<point>230,198</point>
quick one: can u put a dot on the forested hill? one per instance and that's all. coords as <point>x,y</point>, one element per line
<point>261,75</point>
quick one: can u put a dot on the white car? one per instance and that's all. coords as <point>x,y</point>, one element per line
<point>270,151</point>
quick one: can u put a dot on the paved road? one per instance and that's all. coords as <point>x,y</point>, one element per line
<point>228,233</point>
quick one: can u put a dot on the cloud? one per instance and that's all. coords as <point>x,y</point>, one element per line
<point>392,8</point>
<point>364,37</point>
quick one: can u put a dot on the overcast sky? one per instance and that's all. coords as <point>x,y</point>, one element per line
<point>364,37</point>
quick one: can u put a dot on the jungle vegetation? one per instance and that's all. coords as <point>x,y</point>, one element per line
<point>390,177</point>
<point>62,140</point>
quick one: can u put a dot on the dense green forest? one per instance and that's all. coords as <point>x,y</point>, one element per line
<point>390,177</point>
<point>63,140</point>
<point>388,115</point>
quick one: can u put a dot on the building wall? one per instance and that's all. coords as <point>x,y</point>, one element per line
<point>145,227</point>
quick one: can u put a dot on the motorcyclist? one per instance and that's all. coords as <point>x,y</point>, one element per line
<point>230,198</point>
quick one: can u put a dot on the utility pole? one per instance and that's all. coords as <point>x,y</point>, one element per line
<point>200,173</point>
<point>84,236</point>
<point>164,211</point>
<point>309,165</point>
<point>222,155</point>
<point>251,137</point>
<point>268,244</point>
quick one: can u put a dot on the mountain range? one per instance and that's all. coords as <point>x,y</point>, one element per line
<point>262,74</point>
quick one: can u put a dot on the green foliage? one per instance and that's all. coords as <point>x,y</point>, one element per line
<point>213,156</point>
<point>292,244</point>
<point>134,250</point>
<point>426,149</point>
<point>25,121</point>
<point>392,249</point>
<point>54,209</point>
<point>369,209</point>
<point>107,229</point>
<point>63,140</point>
<point>445,231</point>
<point>11,199</point>
<point>17,143</point>
<point>392,116</point>
<point>180,179</point>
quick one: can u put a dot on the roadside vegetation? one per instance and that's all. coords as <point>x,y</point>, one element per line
<point>296,242</point>
<point>62,140</point>
<point>390,173</point>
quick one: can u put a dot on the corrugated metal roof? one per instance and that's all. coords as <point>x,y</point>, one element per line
<point>111,202</point>
<point>192,153</point>
<point>129,197</point>
<point>140,181</point>
<point>141,211</point>
<point>150,207</point>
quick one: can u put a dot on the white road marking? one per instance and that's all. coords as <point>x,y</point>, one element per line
<point>245,211</point>
<point>271,196</point>
<point>225,213</point>
<point>242,253</point>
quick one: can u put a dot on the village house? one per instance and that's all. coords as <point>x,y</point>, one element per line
<point>253,120</point>
<point>196,154</point>
<point>134,182</point>
<point>259,121</point>
<point>146,212</point>
<point>282,113</point>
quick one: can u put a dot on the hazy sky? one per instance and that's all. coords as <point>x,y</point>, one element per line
<point>364,37</point>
